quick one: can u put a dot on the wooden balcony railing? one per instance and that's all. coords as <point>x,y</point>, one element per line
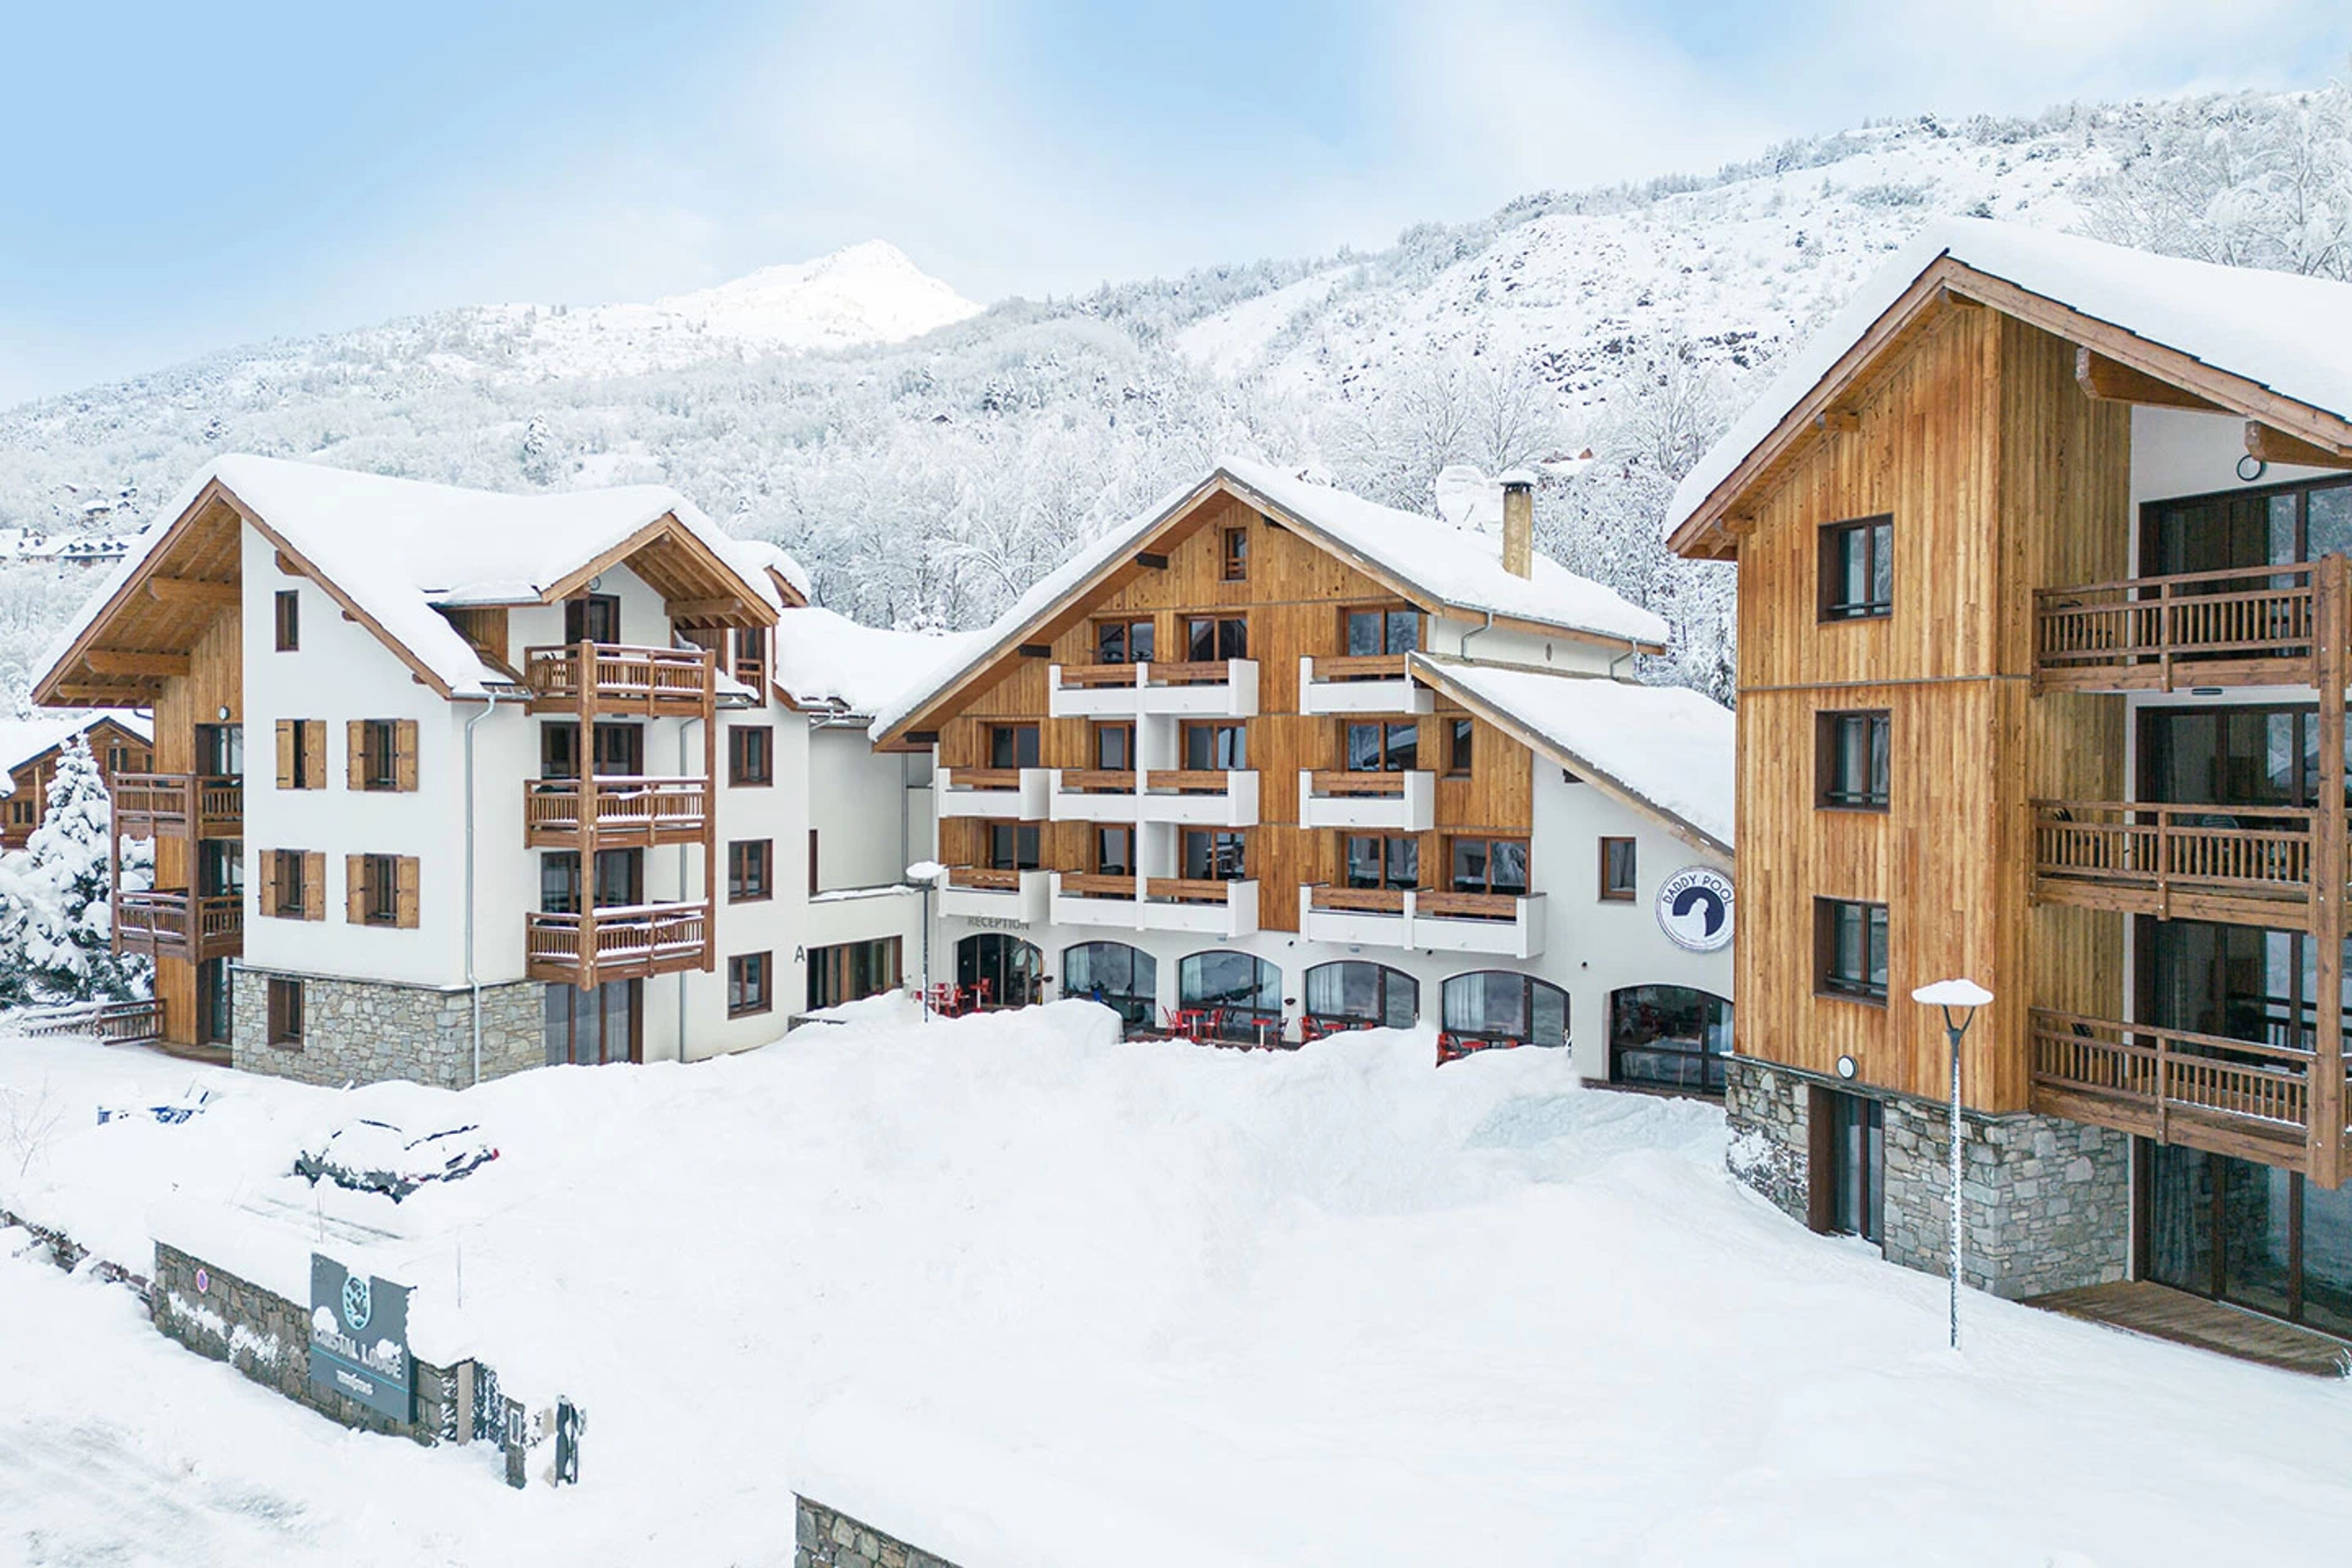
<point>171,923</point>
<point>659,682</point>
<point>179,805</point>
<point>618,942</point>
<point>989,878</point>
<point>1099,884</point>
<point>2239,628</point>
<point>2227,1097</point>
<point>628,810</point>
<point>1466,906</point>
<point>1360,900</point>
<point>980,778</point>
<point>2190,862</point>
<point>1335,781</point>
<point>1091,781</point>
<point>1203,672</point>
<point>1359,666</point>
<point>1190,781</point>
<point>115,1023</point>
<point>1183,889</point>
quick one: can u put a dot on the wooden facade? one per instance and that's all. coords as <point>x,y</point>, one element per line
<point>1295,599</point>
<point>117,750</point>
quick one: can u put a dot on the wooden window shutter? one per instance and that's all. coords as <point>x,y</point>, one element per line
<point>314,754</point>
<point>355,754</point>
<point>269,882</point>
<point>404,754</point>
<point>314,878</point>
<point>405,887</point>
<point>286,753</point>
<point>355,889</point>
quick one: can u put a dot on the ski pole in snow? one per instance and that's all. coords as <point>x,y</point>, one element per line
<point>1966,995</point>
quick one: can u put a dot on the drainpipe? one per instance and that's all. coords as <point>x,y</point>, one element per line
<point>1476,631</point>
<point>686,860</point>
<point>490,702</point>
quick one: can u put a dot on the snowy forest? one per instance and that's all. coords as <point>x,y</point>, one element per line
<point>926,483</point>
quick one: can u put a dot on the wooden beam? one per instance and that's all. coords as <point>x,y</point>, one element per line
<point>1036,650</point>
<point>1951,296</point>
<point>703,609</point>
<point>2103,380</point>
<point>2275,446</point>
<point>1157,562</point>
<point>1844,421</point>
<point>288,566</point>
<point>193,591</point>
<point>108,662</point>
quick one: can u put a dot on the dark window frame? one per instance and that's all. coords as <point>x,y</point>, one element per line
<point>1123,632</point>
<point>1024,739</point>
<point>379,889</point>
<point>285,1025</point>
<point>751,870</point>
<point>287,609</point>
<point>1454,880</point>
<point>1219,840</point>
<point>1386,618</point>
<point>1832,789</point>
<point>585,615</point>
<point>751,984</point>
<point>751,756</point>
<point>1461,746</point>
<point>1234,562</point>
<point>1387,730</point>
<point>286,872</point>
<point>1830,917</point>
<point>1877,534</point>
<point>1228,637</point>
<point>1614,891</point>
<point>1126,862</point>
<point>1027,850</point>
<point>1392,846</point>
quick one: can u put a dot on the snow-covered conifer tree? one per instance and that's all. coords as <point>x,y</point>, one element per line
<point>56,919</point>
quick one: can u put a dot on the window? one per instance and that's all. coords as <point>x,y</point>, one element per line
<point>815,881</point>
<point>289,620</point>
<point>558,883</point>
<point>1352,992</point>
<point>589,1028</point>
<point>1490,866</point>
<point>1668,1036</point>
<point>1115,851</point>
<point>1013,745</point>
<point>1382,860</point>
<point>1122,978</point>
<point>1858,569</point>
<point>1382,748</point>
<point>1115,747</point>
<point>1213,856</point>
<point>20,812</point>
<point>750,645</point>
<point>1506,1006</point>
<point>378,894</point>
<point>1215,748</point>
<point>1846,1168</point>
<point>591,617</point>
<point>620,749</point>
<point>1000,971</point>
<point>292,889</point>
<point>750,984</point>
<point>1211,638</point>
<point>286,1014</point>
<point>748,865</point>
<point>216,1001</point>
<point>220,750</point>
<point>1617,884</point>
<point>751,755</point>
<point>852,970</point>
<point>1849,949</point>
<point>301,753</point>
<point>1461,749</point>
<point>1123,642</point>
<point>1013,845</point>
<point>1382,631</point>
<point>1245,991</point>
<point>1236,557</point>
<point>381,754</point>
<point>1850,769</point>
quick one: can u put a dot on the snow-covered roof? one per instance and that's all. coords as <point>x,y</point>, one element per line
<point>400,550</point>
<point>827,660</point>
<point>1458,568</point>
<point>1668,747</point>
<point>22,740</point>
<point>2290,334</point>
<point>753,555</point>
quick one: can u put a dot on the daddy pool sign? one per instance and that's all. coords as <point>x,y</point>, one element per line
<point>1694,909</point>
<point>359,1337</point>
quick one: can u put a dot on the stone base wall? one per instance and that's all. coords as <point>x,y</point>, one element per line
<point>268,1338</point>
<point>825,1539</point>
<point>366,1031</point>
<point>2048,1201</point>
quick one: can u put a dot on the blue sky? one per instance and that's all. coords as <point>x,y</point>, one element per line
<point>179,178</point>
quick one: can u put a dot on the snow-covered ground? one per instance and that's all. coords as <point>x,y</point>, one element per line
<point>1034,1298</point>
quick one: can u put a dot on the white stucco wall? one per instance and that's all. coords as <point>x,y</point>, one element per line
<point>1503,645</point>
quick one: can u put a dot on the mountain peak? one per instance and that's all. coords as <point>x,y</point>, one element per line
<point>863,293</point>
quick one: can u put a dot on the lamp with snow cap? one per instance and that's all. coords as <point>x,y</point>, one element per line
<point>1959,999</point>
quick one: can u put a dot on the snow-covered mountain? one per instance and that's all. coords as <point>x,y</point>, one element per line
<point>926,462</point>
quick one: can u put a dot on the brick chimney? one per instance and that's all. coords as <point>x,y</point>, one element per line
<point>1519,523</point>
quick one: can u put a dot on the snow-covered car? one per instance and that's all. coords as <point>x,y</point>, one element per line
<point>370,1156</point>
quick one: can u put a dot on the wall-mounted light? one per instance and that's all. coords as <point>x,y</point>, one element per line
<point>1847,1067</point>
<point>224,713</point>
<point>2250,467</point>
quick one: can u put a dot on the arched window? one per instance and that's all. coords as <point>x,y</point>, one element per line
<point>1352,993</point>
<point>1122,978</point>
<point>1671,1035</point>
<point>1502,1007</point>
<point>999,971</point>
<point>1246,989</point>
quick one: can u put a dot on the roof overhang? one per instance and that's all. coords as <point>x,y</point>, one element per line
<point>2311,435</point>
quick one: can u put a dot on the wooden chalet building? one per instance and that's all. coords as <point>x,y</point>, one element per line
<point>1271,761</point>
<point>29,749</point>
<point>2043,637</point>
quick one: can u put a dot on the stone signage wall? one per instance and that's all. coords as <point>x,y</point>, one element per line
<point>356,1031</point>
<point>2048,1201</point>
<point>825,1539</point>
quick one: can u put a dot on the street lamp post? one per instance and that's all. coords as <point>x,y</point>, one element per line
<point>1963,997</point>
<point>927,875</point>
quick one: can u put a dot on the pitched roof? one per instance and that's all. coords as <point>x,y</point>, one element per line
<point>826,660</point>
<point>1429,563</point>
<point>1664,750</point>
<point>24,740</point>
<point>2278,345</point>
<point>397,551</point>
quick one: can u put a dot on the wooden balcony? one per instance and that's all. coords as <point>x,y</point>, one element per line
<point>2232,628</point>
<point>1398,801</point>
<point>1504,924</point>
<point>610,679</point>
<point>168,923</point>
<point>179,805</point>
<point>1362,683</point>
<point>994,894</point>
<point>1193,797</point>
<point>626,812</point>
<point>1202,905</point>
<point>1010,794</point>
<point>2246,865</point>
<point>628,942</point>
<point>1218,689</point>
<point>2245,1098</point>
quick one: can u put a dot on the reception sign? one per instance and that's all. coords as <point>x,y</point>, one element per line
<point>358,1338</point>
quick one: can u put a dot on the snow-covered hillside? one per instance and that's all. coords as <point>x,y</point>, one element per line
<point>928,481</point>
